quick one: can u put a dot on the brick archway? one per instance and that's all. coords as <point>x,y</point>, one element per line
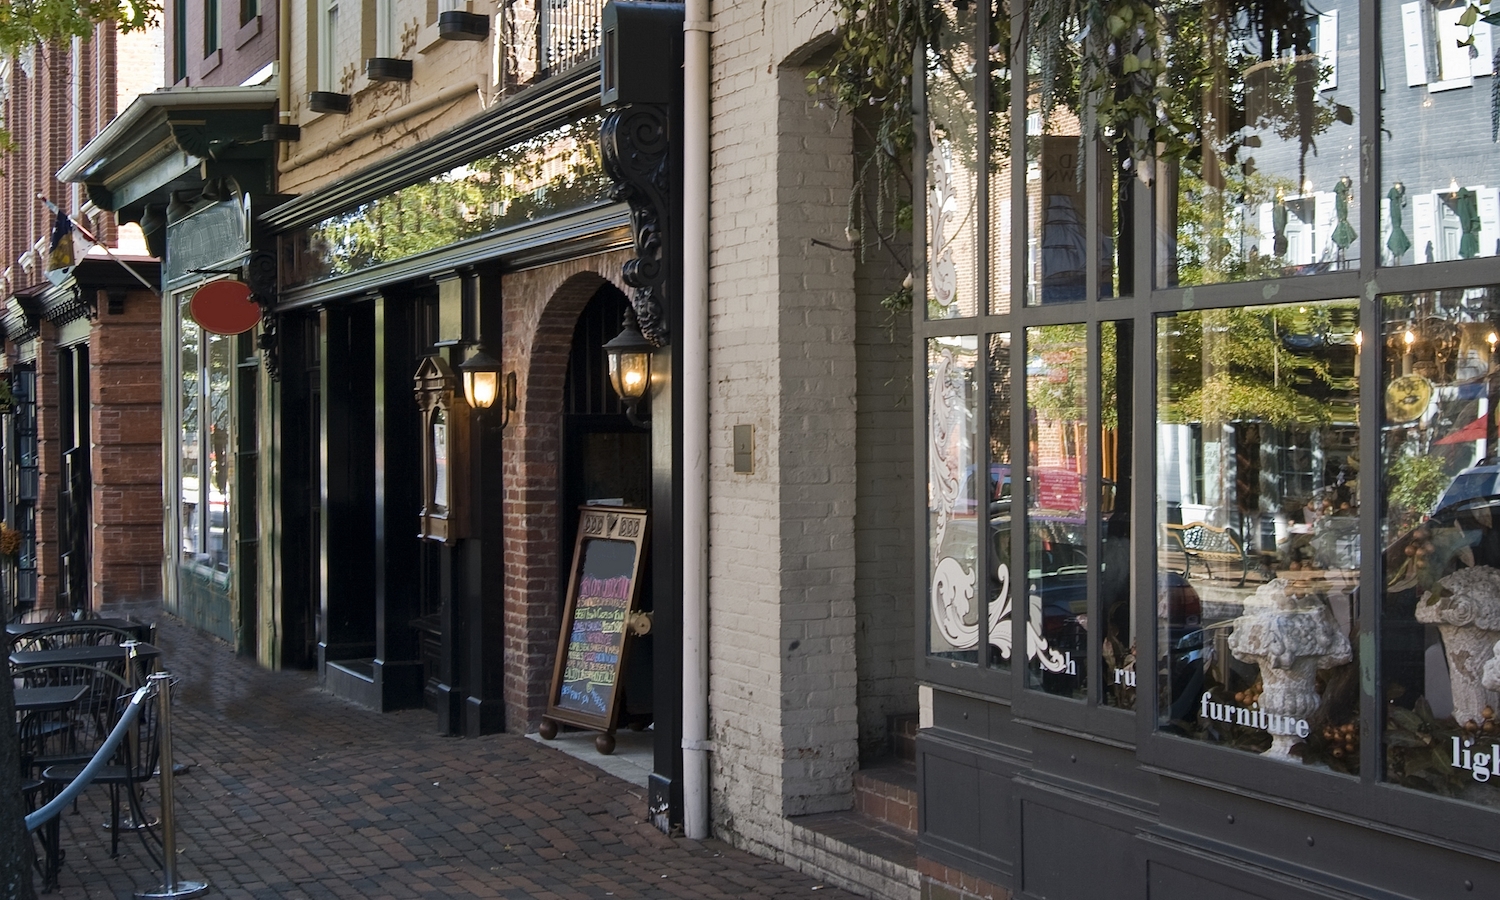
<point>541,308</point>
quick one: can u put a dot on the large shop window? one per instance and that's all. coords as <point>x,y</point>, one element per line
<point>1258,492</point>
<point>1027,426</point>
<point>1269,189</point>
<point>1440,530</point>
<point>1078,410</point>
<point>204,445</point>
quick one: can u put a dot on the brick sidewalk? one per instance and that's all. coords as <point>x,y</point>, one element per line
<point>296,794</point>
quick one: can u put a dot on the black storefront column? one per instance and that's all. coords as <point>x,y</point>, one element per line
<point>397,667</point>
<point>642,148</point>
<point>346,537</point>
<point>483,586</point>
<point>665,793</point>
<point>453,660</point>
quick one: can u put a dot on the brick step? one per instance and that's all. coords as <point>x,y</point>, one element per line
<point>887,792</point>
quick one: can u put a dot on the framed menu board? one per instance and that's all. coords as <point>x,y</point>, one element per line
<point>603,586</point>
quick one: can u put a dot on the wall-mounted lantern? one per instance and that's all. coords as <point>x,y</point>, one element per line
<point>484,384</point>
<point>629,359</point>
<point>445,428</point>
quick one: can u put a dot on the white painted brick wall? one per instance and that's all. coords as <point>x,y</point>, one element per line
<point>782,358</point>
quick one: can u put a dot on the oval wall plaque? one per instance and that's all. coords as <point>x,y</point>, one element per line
<point>224,307</point>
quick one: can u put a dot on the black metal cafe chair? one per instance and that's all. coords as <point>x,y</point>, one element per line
<point>63,737</point>
<point>134,764</point>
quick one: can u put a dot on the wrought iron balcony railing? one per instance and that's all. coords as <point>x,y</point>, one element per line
<point>544,37</point>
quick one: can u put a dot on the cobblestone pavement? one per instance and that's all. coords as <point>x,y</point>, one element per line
<point>293,793</point>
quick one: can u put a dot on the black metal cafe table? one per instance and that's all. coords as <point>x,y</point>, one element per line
<point>85,656</point>
<point>49,699</point>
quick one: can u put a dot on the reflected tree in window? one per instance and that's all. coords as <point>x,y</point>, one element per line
<point>1259,549</point>
<point>550,173</point>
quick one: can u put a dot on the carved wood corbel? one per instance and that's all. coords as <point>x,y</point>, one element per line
<point>637,149</point>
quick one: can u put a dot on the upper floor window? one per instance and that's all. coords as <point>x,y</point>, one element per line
<point>249,10</point>
<point>328,70</point>
<point>386,38</point>
<point>179,40</point>
<point>210,26</point>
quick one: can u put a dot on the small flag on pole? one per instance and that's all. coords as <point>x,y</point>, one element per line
<point>66,248</point>
<point>60,259</point>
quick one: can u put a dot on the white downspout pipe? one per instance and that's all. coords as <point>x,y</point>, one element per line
<point>693,345</point>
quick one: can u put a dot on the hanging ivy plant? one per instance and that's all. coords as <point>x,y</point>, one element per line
<point>1135,69</point>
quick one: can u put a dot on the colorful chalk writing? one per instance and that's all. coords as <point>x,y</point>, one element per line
<point>595,643</point>
<point>591,664</point>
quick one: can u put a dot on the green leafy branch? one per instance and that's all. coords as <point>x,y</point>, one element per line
<point>31,23</point>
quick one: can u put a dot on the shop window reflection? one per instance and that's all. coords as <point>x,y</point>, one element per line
<point>953,251</point>
<point>1440,194</point>
<point>1258,541</point>
<point>1116,410</point>
<point>955,490</point>
<point>1269,189</point>
<point>1000,190</point>
<point>204,436</point>
<point>1440,608</point>
<point>1057,569</point>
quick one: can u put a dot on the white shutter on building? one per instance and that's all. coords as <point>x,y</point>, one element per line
<point>1385,228</point>
<point>1416,47</point>
<point>1267,232</point>
<point>1424,227</point>
<point>1328,49</point>
<point>1489,220</point>
<point>1321,247</point>
<point>1479,65</point>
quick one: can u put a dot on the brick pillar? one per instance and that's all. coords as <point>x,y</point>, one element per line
<point>541,307</point>
<point>125,420</point>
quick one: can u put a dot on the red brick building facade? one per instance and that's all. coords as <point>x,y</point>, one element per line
<point>82,451</point>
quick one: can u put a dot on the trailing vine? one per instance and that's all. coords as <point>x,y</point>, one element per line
<point>867,76</point>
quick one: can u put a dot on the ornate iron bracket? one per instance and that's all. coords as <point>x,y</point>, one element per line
<point>635,140</point>
<point>260,275</point>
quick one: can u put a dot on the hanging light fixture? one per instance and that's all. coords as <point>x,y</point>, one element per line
<point>629,359</point>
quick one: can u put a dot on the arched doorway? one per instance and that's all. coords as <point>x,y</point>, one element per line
<point>606,460</point>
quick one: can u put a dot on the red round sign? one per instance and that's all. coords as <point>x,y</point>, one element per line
<point>224,307</point>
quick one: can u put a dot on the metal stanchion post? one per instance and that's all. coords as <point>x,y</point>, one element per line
<point>171,887</point>
<point>133,679</point>
<point>131,662</point>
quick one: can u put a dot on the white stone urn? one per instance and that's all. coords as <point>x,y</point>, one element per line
<point>1290,638</point>
<point>1466,609</point>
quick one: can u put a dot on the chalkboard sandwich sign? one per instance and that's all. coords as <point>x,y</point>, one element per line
<point>603,587</point>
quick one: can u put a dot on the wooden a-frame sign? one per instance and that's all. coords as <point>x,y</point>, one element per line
<point>592,645</point>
